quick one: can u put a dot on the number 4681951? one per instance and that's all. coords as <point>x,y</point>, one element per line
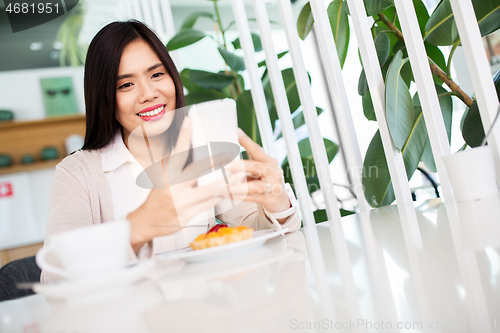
<point>25,8</point>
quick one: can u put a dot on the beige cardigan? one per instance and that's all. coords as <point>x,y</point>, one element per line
<point>80,196</point>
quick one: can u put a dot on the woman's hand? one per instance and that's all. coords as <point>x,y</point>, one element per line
<point>165,211</point>
<point>265,178</point>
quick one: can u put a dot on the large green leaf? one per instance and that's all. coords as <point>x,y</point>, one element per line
<point>280,55</point>
<point>247,119</point>
<point>299,120</point>
<point>197,93</point>
<point>446,104</point>
<point>192,18</point>
<point>290,87</point>
<point>383,48</point>
<point>422,14</point>
<point>320,214</point>
<point>438,28</point>
<point>441,28</point>
<point>184,38</point>
<point>201,96</point>
<point>368,109</point>
<point>362,83</point>
<point>398,103</point>
<point>337,14</point>
<point>471,124</point>
<point>310,170</point>
<point>209,80</point>
<point>376,178</point>
<point>380,26</point>
<point>374,7</point>
<point>236,63</point>
<point>257,43</point>
<point>305,21</point>
<point>487,15</point>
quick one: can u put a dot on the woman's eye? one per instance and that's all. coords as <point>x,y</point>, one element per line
<point>125,85</point>
<point>157,74</point>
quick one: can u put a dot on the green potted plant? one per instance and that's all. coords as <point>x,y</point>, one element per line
<point>438,29</point>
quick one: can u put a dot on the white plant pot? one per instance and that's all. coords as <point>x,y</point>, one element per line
<point>472,174</point>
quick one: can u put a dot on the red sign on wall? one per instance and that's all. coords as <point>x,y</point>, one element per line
<point>5,190</point>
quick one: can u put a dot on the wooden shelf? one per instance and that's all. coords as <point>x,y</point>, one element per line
<point>18,138</point>
<point>30,167</point>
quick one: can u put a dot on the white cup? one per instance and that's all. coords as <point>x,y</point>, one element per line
<point>472,174</point>
<point>214,126</point>
<point>87,251</point>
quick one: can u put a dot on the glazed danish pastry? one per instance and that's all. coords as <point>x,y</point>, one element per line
<point>220,236</point>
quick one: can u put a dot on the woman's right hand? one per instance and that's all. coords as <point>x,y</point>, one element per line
<point>165,210</point>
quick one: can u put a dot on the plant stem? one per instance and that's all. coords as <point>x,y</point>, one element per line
<point>219,22</point>
<point>448,66</point>
<point>391,26</point>
<point>434,68</point>
<point>450,83</point>
<point>463,147</point>
<point>450,93</point>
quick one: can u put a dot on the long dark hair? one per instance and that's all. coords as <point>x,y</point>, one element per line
<point>101,73</point>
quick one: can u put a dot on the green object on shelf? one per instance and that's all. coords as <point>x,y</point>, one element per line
<point>5,161</point>
<point>49,153</point>
<point>59,96</point>
<point>6,115</point>
<point>28,159</point>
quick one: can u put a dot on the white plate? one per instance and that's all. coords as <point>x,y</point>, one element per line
<point>77,289</point>
<point>212,253</point>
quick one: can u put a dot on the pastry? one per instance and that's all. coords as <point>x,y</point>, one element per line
<point>220,235</point>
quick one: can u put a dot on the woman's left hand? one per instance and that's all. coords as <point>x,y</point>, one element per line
<point>264,178</point>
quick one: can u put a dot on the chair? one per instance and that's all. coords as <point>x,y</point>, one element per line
<point>18,271</point>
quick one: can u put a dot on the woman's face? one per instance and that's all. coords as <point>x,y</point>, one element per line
<point>145,92</point>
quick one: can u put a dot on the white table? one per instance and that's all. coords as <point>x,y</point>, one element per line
<point>296,284</point>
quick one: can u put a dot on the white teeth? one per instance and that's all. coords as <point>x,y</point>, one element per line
<point>151,113</point>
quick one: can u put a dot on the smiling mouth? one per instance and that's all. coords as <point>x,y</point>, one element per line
<point>152,112</point>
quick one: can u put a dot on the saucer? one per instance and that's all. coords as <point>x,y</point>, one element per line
<point>75,289</point>
<point>223,251</point>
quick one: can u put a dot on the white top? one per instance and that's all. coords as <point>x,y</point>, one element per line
<point>121,170</point>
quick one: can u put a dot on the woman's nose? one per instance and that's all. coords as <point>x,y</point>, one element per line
<point>147,92</point>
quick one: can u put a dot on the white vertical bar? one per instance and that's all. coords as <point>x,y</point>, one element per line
<point>377,91</point>
<point>338,96</point>
<point>440,146</point>
<point>426,92</point>
<point>168,18</point>
<point>309,111</point>
<point>158,24</point>
<point>283,109</point>
<point>259,99</point>
<point>478,67</point>
<point>146,11</point>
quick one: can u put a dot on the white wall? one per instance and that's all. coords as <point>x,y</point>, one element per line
<point>21,90</point>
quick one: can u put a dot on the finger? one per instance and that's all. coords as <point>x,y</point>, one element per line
<point>253,149</point>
